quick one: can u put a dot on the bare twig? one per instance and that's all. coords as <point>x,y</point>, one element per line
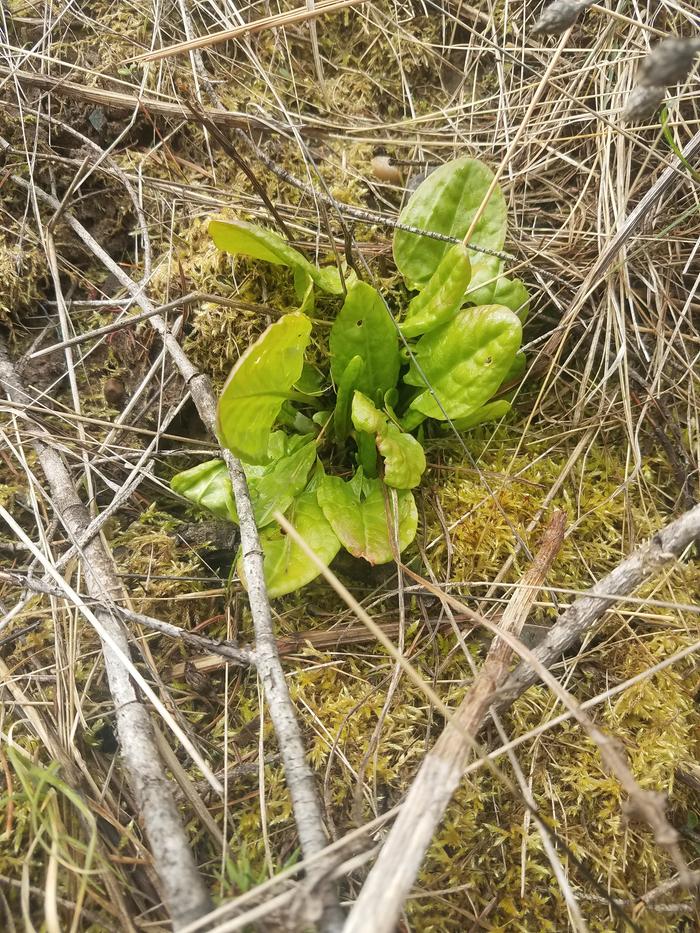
<point>644,564</point>
<point>300,779</point>
<point>184,892</point>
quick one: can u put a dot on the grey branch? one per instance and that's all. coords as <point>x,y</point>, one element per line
<point>299,776</point>
<point>665,547</point>
<point>184,893</point>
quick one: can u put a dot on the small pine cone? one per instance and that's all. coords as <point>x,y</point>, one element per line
<point>558,16</point>
<point>114,391</point>
<point>669,62</point>
<point>643,103</point>
<point>196,680</point>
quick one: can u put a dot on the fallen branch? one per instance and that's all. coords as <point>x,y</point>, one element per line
<point>185,895</point>
<point>379,904</point>
<point>666,546</point>
<point>223,651</point>
<point>299,776</point>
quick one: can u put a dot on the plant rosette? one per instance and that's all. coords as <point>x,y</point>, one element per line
<point>336,451</point>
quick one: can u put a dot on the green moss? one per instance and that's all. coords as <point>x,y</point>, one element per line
<point>23,275</point>
<point>485,847</point>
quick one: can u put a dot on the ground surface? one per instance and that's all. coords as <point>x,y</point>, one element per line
<point>605,427</point>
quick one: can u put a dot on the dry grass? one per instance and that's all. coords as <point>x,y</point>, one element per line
<point>607,427</point>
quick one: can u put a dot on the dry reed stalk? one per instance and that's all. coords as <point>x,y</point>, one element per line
<point>273,21</point>
<point>383,894</point>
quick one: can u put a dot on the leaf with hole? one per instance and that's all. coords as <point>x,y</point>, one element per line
<point>357,511</point>
<point>447,202</point>
<point>259,384</point>
<point>364,328</point>
<point>464,361</point>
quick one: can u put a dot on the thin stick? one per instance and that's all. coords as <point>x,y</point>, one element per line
<point>379,904</point>
<point>116,325</point>
<point>644,564</point>
<point>184,892</point>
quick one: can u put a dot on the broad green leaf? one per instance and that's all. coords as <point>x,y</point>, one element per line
<point>237,236</point>
<point>303,424</point>
<point>280,444</point>
<point>357,510</point>
<point>312,381</point>
<point>346,388</point>
<point>391,400</point>
<point>365,414</point>
<point>412,419</point>
<point>464,362</point>
<point>404,458</point>
<point>258,385</point>
<point>447,202</point>
<point>442,297</point>
<point>207,484</point>
<point>511,293</point>
<point>364,328</point>
<point>486,271</point>
<point>492,411</point>
<point>366,452</point>
<point>277,485</point>
<point>287,567</point>
<point>304,288</point>
<point>272,488</point>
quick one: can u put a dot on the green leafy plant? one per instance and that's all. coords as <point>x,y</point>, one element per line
<point>336,450</point>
